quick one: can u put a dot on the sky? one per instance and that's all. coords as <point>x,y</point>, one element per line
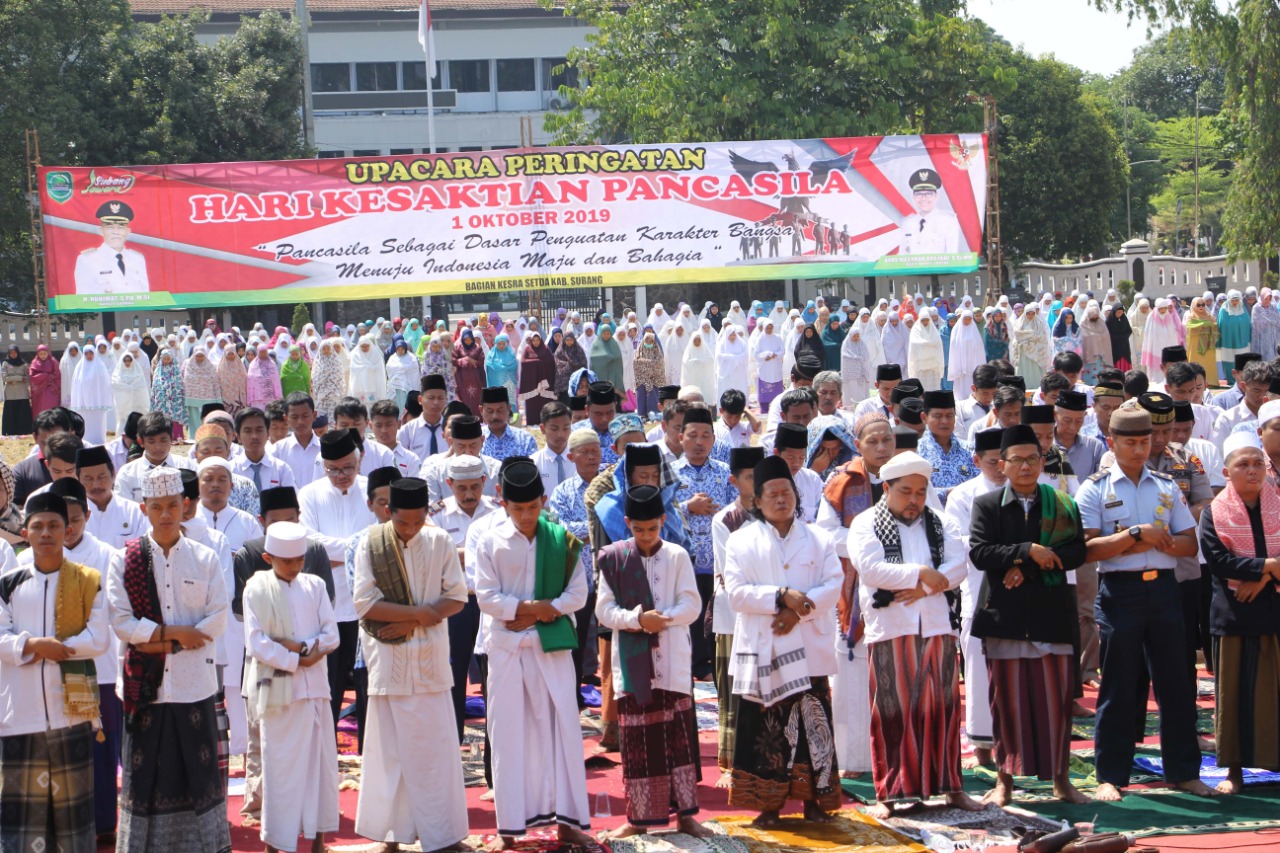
<point>1072,30</point>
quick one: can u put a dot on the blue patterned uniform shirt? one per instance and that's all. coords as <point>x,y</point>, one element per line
<point>712,479</point>
<point>950,468</point>
<point>607,456</point>
<point>567,503</point>
<point>513,442</point>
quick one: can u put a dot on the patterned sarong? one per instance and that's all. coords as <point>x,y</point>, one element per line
<point>786,752</point>
<point>172,796</point>
<point>1031,714</point>
<point>915,717</point>
<point>46,782</point>
<point>659,757</point>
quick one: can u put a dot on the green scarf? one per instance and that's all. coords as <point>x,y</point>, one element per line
<point>557,556</point>
<point>1059,524</point>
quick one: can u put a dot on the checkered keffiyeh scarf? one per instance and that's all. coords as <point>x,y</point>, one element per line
<point>886,530</point>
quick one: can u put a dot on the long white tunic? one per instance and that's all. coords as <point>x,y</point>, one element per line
<point>335,516</point>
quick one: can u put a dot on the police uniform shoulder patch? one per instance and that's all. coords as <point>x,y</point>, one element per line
<point>1195,461</point>
<point>1098,476</point>
<point>1162,475</point>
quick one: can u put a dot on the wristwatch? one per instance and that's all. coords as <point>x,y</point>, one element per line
<point>1136,533</point>
<point>302,652</point>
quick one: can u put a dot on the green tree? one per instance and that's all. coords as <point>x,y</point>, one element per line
<point>1169,76</point>
<point>104,89</point>
<point>1176,146</point>
<point>1062,162</point>
<point>664,70</point>
<point>301,317</point>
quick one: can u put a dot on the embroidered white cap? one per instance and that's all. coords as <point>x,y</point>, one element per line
<point>212,462</point>
<point>286,539</point>
<point>162,482</point>
<point>465,468</point>
<point>1268,411</point>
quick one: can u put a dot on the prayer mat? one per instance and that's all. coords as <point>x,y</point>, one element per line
<point>1165,811</point>
<point>542,841</point>
<point>992,825</point>
<point>1082,728</point>
<point>1210,773</point>
<point>849,832</point>
<point>677,842</point>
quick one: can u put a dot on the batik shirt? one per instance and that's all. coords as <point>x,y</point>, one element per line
<point>950,468</point>
<point>712,479</point>
<point>513,442</point>
<point>607,456</point>
<point>568,504</point>
<point>720,452</point>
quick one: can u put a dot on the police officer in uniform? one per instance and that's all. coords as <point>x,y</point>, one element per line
<point>112,267</point>
<point>1137,525</point>
<point>929,231</point>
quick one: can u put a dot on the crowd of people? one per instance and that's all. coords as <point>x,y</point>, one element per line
<point>815,509</point>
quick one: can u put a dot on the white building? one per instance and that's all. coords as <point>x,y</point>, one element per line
<point>495,81</point>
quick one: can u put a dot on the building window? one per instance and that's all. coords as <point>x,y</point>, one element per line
<point>401,150</point>
<point>328,155</point>
<point>366,152</point>
<point>515,75</point>
<point>376,77</point>
<point>415,76</point>
<point>471,148</point>
<point>469,75</point>
<point>551,81</point>
<point>330,77</point>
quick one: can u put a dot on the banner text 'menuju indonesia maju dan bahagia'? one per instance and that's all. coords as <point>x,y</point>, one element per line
<point>219,234</point>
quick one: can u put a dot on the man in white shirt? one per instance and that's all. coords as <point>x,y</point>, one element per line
<point>978,404</point>
<point>466,439</point>
<point>46,737</point>
<point>261,468</point>
<point>792,444</point>
<point>1257,382</point>
<point>539,777</point>
<point>301,447</point>
<point>290,629</point>
<point>351,414</point>
<point>407,583</point>
<point>927,230</point>
<point>736,425</point>
<point>238,526</point>
<point>335,508</point>
<point>648,597</point>
<point>384,420</point>
<point>887,378</point>
<point>454,515</point>
<point>424,435</point>
<point>907,555</point>
<point>553,459</point>
<point>155,434</point>
<point>977,710</point>
<point>167,597</point>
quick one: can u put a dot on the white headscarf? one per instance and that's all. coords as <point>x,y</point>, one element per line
<point>731,359</point>
<point>70,360</point>
<point>735,315</point>
<point>368,376</point>
<point>698,366</point>
<point>91,388</point>
<point>924,347</point>
<point>967,348</point>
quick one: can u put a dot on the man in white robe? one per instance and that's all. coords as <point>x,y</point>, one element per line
<point>412,788</point>
<point>289,628</point>
<point>113,519</point>
<point>539,777</point>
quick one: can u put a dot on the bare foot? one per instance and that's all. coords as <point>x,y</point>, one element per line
<point>383,847</point>
<point>961,800</point>
<point>984,755</point>
<point>1078,710</point>
<point>460,847</point>
<point>1234,782</point>
<point>501,842</point>
<point>1108,793</point>
<point>689,826</point>
<point>880,811</point>
<point>814,813</point>
<point>850,774</point>
<point>1065,791</point>
<point>250,822</point>
<point>1206,743</point>
<point>767,820</point>
<point>725,780</point>
<point>1200,789</point>
<point>573,835</point>
<point>1002,793</point>
<point>487,796</point>
<point>625,831</point>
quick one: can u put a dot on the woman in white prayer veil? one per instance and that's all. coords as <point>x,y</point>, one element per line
<point>1139,312</point>
<point>674,342</point>
<point>367,380</point>
<point>893,338</point>
<point>866,324</point>
<point>189,341</point>
<point>731,363</point>
<point>857,367</point>
<point>968,350</point>
<point>687,318</point>
<point>129,388</point>
<point>778,314</point>
<point>769,357</point>
<point>1164,329</point>
<point>708,333</point>
<point>735,316</point>
<point>699,364</point>
<point>281,349</point>
<point>68,364</point>
<point>658,317</point>
<point>91,396</point>
<point>796,328</point>
<point>925,350</point>
<point>1031,348</point>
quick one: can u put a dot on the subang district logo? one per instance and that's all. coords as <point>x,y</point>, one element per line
<point>59,186</point>
<point>99,184</point>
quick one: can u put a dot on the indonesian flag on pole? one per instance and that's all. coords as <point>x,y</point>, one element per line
<point>427,37</point>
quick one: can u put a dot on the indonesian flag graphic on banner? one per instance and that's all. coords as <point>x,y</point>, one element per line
<point>427,37</point>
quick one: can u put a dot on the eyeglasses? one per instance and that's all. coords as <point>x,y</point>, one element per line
<point>1020,461</point>
<point>345,471</point>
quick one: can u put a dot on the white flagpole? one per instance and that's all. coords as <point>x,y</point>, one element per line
<point>427,38</point>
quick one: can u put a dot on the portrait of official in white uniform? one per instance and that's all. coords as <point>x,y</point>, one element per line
<point>112,267</point>
<point>929,231</point>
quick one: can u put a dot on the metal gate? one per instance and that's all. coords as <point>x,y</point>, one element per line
<point>588,301</point>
